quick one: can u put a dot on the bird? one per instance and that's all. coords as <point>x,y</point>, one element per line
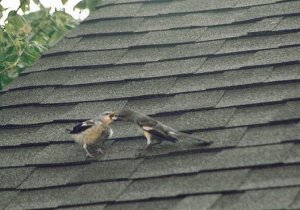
<point>154,129</point>
<point>93,133</point>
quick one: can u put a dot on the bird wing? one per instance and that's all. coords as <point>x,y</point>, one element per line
<point>107,133</point>
<point>155,128</point>
<point>82,126</point>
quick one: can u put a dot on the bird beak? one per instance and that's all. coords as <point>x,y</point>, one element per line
<point>113,116</point>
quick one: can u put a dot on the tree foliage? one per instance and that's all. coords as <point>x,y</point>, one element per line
<point>24,38</point>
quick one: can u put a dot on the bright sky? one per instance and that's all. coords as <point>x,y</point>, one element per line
<point>14,4</point>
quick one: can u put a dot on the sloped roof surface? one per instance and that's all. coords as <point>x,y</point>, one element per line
<point>227,71</point>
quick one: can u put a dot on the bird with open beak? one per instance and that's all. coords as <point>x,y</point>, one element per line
<point>91,134</point>
<point>154,129</point>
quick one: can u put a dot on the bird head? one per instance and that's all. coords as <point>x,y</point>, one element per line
<point>124,115</point>
<point>107,116</point>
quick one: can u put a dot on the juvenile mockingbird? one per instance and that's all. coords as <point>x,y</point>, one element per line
<point>92,133</point>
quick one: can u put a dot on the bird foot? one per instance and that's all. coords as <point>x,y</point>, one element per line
<point>99,150</point>
<point>89,155</point>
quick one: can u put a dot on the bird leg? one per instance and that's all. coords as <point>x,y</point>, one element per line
<point>148,137</point>
<point>87,151</point>
<point>158,141</point>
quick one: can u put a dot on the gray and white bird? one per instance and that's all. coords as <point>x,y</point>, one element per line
<point>91,134</point>
<point>154,129</point>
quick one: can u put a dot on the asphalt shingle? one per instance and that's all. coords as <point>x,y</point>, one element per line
<point>242,3</point>
<point>294,154</point>
<point>83,93</point>
<point>212,18</point>
<point>65,45</point>
<point>225,71</point>
<point>171,36</point>
<point>99,192</point>
<point>18,156</point>
<point>259,42</point>
<point>265,25</point>
<point>258,199</point>
<point>37,199</point>
<point>59,154</point>
<point>88,207</point>
<point>206,119</point>
<point>174,67</point>
<point>261,94</point>
<point>256,115</point>
<point>17,136</point>
<point>195,162</point>
<point>154,8</point>
<point>43,78</point>
<point>221,79</point>
<point>49,62</point>
<point>151,105</point>
<point>106,42</point>
<point>166,204</point>
<point>273,176</point>
<point>124,149</point>
<point>89,110</point>
<point>106,26</point>
<point>288,23</point>
<point>281,8</point>
<point>226,62</point>
<point>92,58</point>
<point>107,170</point>
<point>153,87</point>
<point>289,112</point>
<point>270,134</point>
<point>114,11</point>
<point>27,96</point>
<point>6,197</point>
<point>13,177</point>
<point>203,5</point>
<point>136,71</point>
<point>54,132</point>
<point>181,164</point>
<point>238,30</point>
<point>201,202</point>
<point>282,73</point>
<point>32,114</point>
<point>264,57</point>
<point>96,92</point>
<point>295,204</point>
<point>161,23</point>
<point>229,137</point>
<point>199,183</point>
<point>253,156</point>
<point>50,176</point>
<point>179,102</point>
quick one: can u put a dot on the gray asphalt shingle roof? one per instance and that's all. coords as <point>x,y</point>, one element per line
<point>227,71</point>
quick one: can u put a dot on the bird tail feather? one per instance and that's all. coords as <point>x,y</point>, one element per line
<point>200,141</point>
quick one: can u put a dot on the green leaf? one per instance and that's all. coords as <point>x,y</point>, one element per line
<point>37,2</point>
<point>87,4</point>
<point>1,8</point>
<point>1,11</point>
<point>25,5</point>
<point>24,38</point>
<point>14,24</point>
<point>64,1</point>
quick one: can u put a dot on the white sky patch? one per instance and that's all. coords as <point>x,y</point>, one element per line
<point>53,4</point>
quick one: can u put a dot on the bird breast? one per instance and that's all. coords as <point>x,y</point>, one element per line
<point>96,134</point>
